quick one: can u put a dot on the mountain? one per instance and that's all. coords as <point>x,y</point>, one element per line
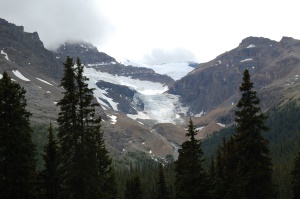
<point>39,71</point>
<point>146,107</point>
<point>24,58</point>
<point>212,89</point>
<point>26,50</point>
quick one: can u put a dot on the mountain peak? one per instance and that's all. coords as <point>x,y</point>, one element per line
<point>87,52</point>
<point>252,41</point>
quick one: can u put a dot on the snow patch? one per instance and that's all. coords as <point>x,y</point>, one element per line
<point>244,60</point>
<point>200,114</point>
<point>48,92</point>
<point>5,55</point>
<point>140,123</point>
<point>1,76</point>
<point>220,62</point>
<point>150,151</point>
<point>55,102</point>
<point>222,125</point>
<point>44,81</point>
<point>200,128</point>
<point>251,46</point>
<point>113,119</point>
<point>20,76</point>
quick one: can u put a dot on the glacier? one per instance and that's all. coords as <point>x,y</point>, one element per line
<point>158,105</point>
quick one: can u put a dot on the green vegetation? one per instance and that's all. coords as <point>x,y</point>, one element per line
<point>49,181</point>
<point>17,152</point>
<point>85,165</point>
<point>191,179</point>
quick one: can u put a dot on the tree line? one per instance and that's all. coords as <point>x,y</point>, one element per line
<point>76,163</point>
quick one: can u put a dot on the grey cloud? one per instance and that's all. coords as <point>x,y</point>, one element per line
<point>57,21</point>
<point>159,56</point>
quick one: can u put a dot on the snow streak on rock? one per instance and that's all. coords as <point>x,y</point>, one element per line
<point>5,55</point>
<point>20,76</point>
<point>44,81</point>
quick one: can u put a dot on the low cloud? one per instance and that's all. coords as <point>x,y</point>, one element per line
<point>160,56</point>
<point>59,20</point>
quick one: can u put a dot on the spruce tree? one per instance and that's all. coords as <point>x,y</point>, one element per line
<point>49,177</point>
<point>254,167</point>
<point>17,163</point>
<point>191,179</point>
<point>162,192</point>
<point>295,175</point>
<point>133,188</point>
<point>68,134</point>
<point>85,162</point>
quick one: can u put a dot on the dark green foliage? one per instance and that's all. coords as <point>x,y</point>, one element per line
<point>191,179</point>
<point>17,163</point>
<point>162,192</point>
<point>296,177</point>
<point>49,177</point>
<point>253,167</point>
<point>85,163</point>
<point>133,188</point>
<point>284,136</point>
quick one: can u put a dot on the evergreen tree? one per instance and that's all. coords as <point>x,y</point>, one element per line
<point>133,188</point>
<point>227,170</point>
<point>68,134</point>
<point>17,163</point>
<point>219,180</point>
<point>253,175</point>
<point>296,177</point>
<point>49,177</point>
<point>162,192</point>
<point>191,179</point>
<point>85,161</point>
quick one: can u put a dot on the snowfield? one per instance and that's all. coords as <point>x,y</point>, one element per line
<point>174,70</point>
<point>158,106</point>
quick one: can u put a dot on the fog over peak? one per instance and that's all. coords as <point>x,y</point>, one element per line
<point>58,21</point>
<point>160,56</point>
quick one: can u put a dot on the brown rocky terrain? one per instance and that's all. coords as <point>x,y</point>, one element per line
<point>213,87</point>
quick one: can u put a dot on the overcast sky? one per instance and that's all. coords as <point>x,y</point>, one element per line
<point>155,31</point>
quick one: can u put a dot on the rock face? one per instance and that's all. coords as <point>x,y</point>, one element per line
<point>27,50</point>
<point>123,96</point>
<point>90,56</point>
<point>215,84</point>
<point>87,53</point>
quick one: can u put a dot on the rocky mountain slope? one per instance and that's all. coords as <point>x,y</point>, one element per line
<point>212,89</point>
<point>39,71</point>
<point>142,107</point>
